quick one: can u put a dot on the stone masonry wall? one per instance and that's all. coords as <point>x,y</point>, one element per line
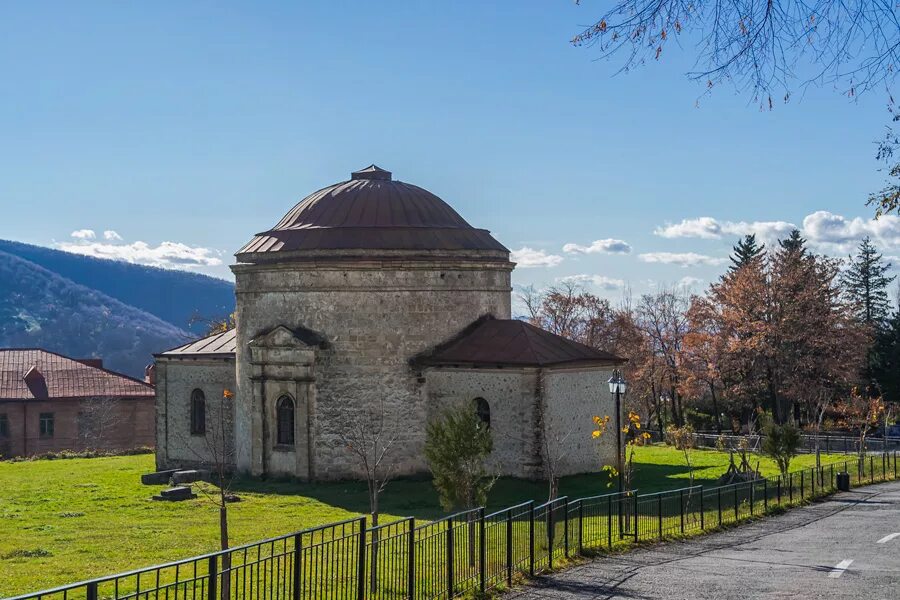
<point>375,316</point>
<point>175,381</point>
<point>572,398</point>
<point>510,395</point>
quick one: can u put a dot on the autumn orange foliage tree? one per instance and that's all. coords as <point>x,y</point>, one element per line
<point>773,335</point>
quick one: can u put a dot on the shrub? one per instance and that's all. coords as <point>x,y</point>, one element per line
<point>456,446</point>
<point>781,443</point>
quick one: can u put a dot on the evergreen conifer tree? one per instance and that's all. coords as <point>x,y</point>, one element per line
<point>866,283</point>
<point>746,250</point>
<point>887,351</point>
<point>793,242</point>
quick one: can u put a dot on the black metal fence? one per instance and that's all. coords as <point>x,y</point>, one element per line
<point>829,444</point>
<point>461,553</point>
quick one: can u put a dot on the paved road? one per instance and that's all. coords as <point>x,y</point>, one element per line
<point>843,547</point>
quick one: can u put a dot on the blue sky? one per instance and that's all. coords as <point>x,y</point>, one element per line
<point>184,128</point>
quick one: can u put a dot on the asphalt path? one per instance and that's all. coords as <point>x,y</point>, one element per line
<point>847,546</point>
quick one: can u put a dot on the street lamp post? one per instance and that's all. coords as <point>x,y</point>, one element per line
<point>617,388</point>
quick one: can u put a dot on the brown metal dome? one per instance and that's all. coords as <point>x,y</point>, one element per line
<point>371,211</point>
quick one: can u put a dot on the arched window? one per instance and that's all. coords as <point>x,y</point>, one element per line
<point>198,412</point>
<point>483,411</point>
<point>284,415</point>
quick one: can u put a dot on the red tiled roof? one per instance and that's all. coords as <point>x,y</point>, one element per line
<point>51,375</point>
<point>216,344</point>
<point>490,342</point>
<point>371,211</point>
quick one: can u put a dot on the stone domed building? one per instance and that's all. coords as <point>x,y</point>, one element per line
<point>374,292</point>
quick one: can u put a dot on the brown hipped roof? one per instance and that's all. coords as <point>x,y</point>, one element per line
<point>218,344</point>
<point>501,342</point>
<point>371,211</point>
<point>35,374</point>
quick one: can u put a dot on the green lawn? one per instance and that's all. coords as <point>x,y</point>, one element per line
<point>67,520</point>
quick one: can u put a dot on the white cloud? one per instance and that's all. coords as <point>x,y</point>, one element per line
<point>173,255</point>
<point>836,233</point>
<point>689,281</point>
<point>84,234</point>
<point>607,246</point>
<point>600,281</point>
<point>711,229</point>
<point>527,258</point>
<point>682,259</point>
<point>112,236</point>
<point>703,227</point>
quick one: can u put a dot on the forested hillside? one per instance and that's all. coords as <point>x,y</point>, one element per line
<point>39,308</point>
<point>173,296</point>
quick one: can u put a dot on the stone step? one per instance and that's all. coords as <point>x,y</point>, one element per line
<point>189,476</point>
<point>174,494</point>
<point>157,478</point>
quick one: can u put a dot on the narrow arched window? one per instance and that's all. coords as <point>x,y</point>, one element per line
<point>483,411</point>
<point>284,415</point>
<point>198,412</point>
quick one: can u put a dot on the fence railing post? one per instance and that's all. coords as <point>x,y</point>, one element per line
<point>702,512</point>
<point>634,518</point>
<point>581,527</point>
<point>737,514</point>
<point>719,495</point>
<point>659,515</point>
<point>609,521</point>
<point>765,495</point>
<point>790,488</point>
<point>801,485</point>
<point>211,592</point>
<point>752,486</point>
<point>871,469</point>
<point>298,557</point>
<point>450,552</point>
<point>361,561</point>
<point>681,508</point>
<point>531,539</point>
<point>778,490</point>
<point>509,545</point>
<point>566,527</point>
<point>550,527</point>
<point>411,540</point>
<point>92,590</point>
<point>482,554</point>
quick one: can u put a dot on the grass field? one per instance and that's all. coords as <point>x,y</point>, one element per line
<point>67,520</point>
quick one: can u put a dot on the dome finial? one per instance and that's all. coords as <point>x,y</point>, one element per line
<point>371,172</point>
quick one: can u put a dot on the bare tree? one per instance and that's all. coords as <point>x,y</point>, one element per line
<point>369,433</point>
<point>663,318</point>
<point>760,45</point>
<point>98,420</point>
<point>215,452</point>
<point>554,447</point>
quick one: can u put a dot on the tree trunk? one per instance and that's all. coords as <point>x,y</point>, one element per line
<point>676,408</point>
<point>715,401</point>
<point>472,548</point>
<point>373,574</point>
<point>223,525</point>
<point>223,543</point>
<point>659,409</point>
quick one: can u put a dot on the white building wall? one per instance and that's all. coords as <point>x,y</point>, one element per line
<point>510,393</point>
<point>572,397</point>
<point>176,380</point>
